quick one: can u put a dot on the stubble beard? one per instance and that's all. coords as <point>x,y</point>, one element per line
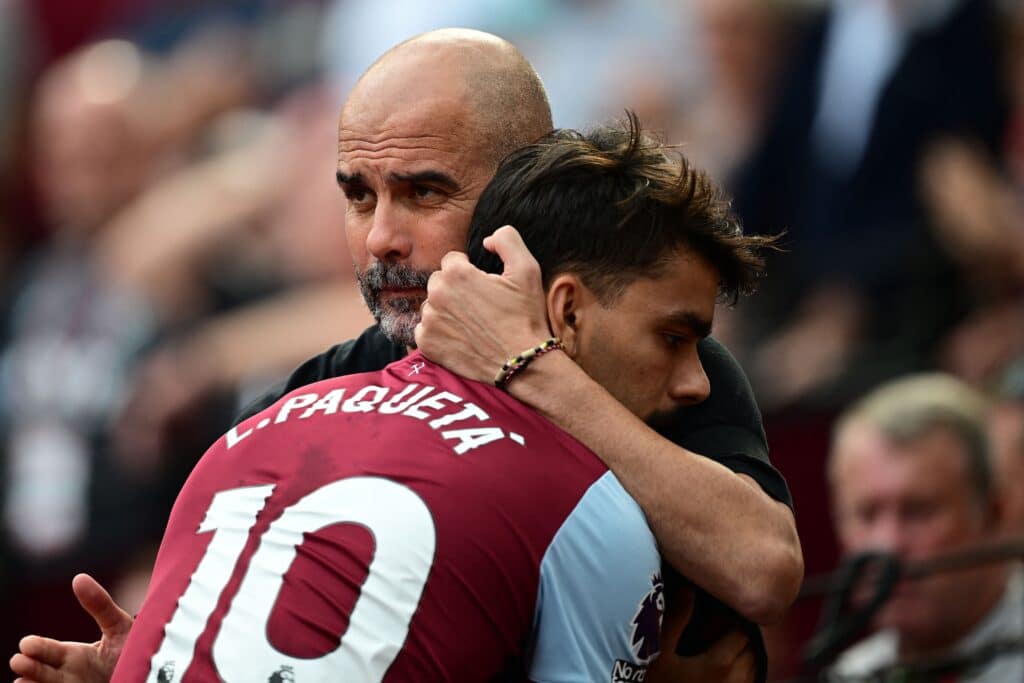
<point>398,315</point>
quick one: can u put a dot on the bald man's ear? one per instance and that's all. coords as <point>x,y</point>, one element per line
<point>565,297</point>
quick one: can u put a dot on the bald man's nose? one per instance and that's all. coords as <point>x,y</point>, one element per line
<point>388,239</point>
<point>689,384</point>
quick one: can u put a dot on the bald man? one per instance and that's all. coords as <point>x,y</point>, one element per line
<point>412,174</point>
<point>419,138</point>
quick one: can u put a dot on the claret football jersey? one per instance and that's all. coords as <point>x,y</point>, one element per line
<point>400,525</point>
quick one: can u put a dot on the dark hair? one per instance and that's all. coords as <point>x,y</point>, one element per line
<point>612,206</point>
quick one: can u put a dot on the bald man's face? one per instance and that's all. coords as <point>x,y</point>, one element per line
<point>412,168</point>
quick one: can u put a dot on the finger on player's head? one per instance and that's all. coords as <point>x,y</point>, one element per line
<point>33,671</point>
<point>95,600</point>
<point>452,258</point>
<point>506,236</point>
<point>508,244</point>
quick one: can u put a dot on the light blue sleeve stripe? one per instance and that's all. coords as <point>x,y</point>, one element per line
<point>597,573</point>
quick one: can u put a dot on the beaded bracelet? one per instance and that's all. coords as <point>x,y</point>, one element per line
<point>517,363</point>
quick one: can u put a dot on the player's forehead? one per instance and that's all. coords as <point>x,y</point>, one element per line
<point>682,288</point>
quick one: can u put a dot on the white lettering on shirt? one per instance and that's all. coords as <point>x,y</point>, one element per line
<point>234,437</point>
<point>411,401</point>
<point>395,404</point>
<point>328,404</point>
<point>298,401</point>
<point>358,404</point>
<point>473,438</point>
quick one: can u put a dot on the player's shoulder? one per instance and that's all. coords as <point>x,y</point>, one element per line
<point>616,637</point>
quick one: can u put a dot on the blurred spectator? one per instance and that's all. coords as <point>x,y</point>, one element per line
<point>88,155</point>
<point>865,293</point>
<point>911,475</point>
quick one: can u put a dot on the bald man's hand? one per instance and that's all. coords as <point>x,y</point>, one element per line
<point>44,660</point>
<point>472,322</point>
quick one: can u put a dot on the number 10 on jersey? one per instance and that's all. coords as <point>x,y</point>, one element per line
<point>404,537</point>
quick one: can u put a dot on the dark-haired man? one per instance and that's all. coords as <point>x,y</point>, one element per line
<point>420,136</point>
<point>485,534</point>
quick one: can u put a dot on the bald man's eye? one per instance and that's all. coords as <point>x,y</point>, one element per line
<point>425,192</point>
<point>358,197</point>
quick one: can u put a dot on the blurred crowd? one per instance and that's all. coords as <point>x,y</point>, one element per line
<point>171,234</point>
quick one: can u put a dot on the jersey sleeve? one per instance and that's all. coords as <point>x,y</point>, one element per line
<point>727,426</point>
<point>600,599</point>
<point>369,352</point>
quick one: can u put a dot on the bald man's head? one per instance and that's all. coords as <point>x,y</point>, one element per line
<point>500,95</point>
<point>419,138</point>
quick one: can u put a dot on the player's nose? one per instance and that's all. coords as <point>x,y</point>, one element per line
<point>689,384</point>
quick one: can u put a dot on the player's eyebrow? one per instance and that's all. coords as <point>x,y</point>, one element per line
<point>698,325</point>
<point>349,178</point>
<point>442,180</point>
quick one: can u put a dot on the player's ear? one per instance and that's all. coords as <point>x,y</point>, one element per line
<point>565,297</point>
